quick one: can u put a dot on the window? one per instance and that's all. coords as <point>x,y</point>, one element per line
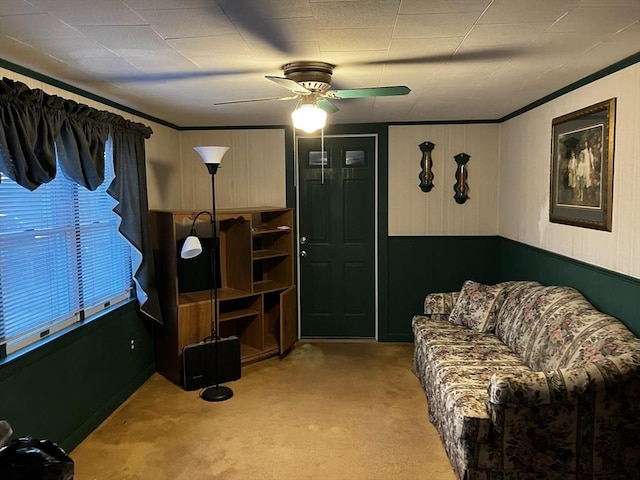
<point>318,159</point>
<point>61,257</point>
<point>355,158</point>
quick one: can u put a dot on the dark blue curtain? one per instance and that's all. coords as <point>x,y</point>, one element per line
<point>129,188</point>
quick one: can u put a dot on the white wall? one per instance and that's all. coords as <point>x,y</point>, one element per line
<point>525,159</point>
<point>252,173</point>
<point>163,165</point>
<point>413,212</point>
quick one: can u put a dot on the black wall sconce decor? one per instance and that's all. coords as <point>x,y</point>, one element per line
<point>426,174</point>
<point>461,188</point>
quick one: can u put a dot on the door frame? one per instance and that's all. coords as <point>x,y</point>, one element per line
<point>376,246</point>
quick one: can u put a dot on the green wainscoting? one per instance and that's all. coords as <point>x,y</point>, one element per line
<point>64,389</point>
<point>610,292</point>
<point>421,265</point>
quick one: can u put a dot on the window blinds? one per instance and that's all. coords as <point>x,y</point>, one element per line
<point>61,257</point>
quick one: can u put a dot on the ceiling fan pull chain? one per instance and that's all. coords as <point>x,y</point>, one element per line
<point>323,158</point>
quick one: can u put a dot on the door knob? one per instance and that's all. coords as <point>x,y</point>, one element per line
<point>303,253</point>
<point>303,240</point>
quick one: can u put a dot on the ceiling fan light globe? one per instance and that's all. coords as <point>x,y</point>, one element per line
<point>309,118</point>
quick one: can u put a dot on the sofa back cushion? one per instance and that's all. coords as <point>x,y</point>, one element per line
<point>477,306</point>
<point>553,327</point>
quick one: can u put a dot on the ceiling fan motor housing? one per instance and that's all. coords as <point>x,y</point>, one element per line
<point>314,76</point>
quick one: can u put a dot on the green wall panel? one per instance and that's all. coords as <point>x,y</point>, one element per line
<point>65,388</point>
<point>421,265</point>
<point>610,292</point>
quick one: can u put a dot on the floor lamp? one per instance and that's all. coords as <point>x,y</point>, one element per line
<point>212,156</point>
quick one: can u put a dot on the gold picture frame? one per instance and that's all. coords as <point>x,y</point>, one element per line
<point>582,145</point>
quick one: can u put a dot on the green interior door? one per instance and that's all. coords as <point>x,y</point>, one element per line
<point>337,235</point>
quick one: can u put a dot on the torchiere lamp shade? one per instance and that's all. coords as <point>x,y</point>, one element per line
<point>211,156</point>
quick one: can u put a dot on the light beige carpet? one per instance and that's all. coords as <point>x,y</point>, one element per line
<point>326,411</point>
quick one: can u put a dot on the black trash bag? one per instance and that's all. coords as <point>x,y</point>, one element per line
<point>29,459</point>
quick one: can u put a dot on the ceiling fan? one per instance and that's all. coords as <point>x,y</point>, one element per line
<point>311,82</point>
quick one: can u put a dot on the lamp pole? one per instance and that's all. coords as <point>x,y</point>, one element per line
<point>212,157</point>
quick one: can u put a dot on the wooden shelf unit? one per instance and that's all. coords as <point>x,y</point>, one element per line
<point>256,298</point>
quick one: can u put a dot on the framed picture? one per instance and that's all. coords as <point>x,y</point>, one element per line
<point>582,166</point>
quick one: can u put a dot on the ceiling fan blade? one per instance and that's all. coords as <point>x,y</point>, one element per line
<point>265,99</point>
<point>254,18</point>
<point>292,85</point>
<point>368,92</point>
<point>168,76</point>
<point>468,55</point>
<point>327,106</point>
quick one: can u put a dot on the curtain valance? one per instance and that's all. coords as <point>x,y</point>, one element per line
<point>35,124</point>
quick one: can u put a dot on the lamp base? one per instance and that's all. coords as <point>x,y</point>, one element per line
<point>216,393</point>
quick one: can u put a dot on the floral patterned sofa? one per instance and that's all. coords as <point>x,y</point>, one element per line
<point>525,381</point>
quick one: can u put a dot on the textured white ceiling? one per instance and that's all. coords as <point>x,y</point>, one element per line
<point>462,59</point>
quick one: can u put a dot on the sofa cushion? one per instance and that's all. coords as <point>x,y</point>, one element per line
<point>477,306</point>
<point>556,327</point>
<point>454,365</point>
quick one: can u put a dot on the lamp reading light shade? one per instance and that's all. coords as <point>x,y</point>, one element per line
<point>191,247</point>
<point>309,117</point>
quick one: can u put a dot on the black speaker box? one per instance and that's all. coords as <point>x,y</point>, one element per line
<point>201,363</point>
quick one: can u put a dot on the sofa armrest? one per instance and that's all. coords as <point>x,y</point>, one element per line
<point>440,303</point>
<point>585,417</point>
<point>564,385</point>
<point>527,388</point>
